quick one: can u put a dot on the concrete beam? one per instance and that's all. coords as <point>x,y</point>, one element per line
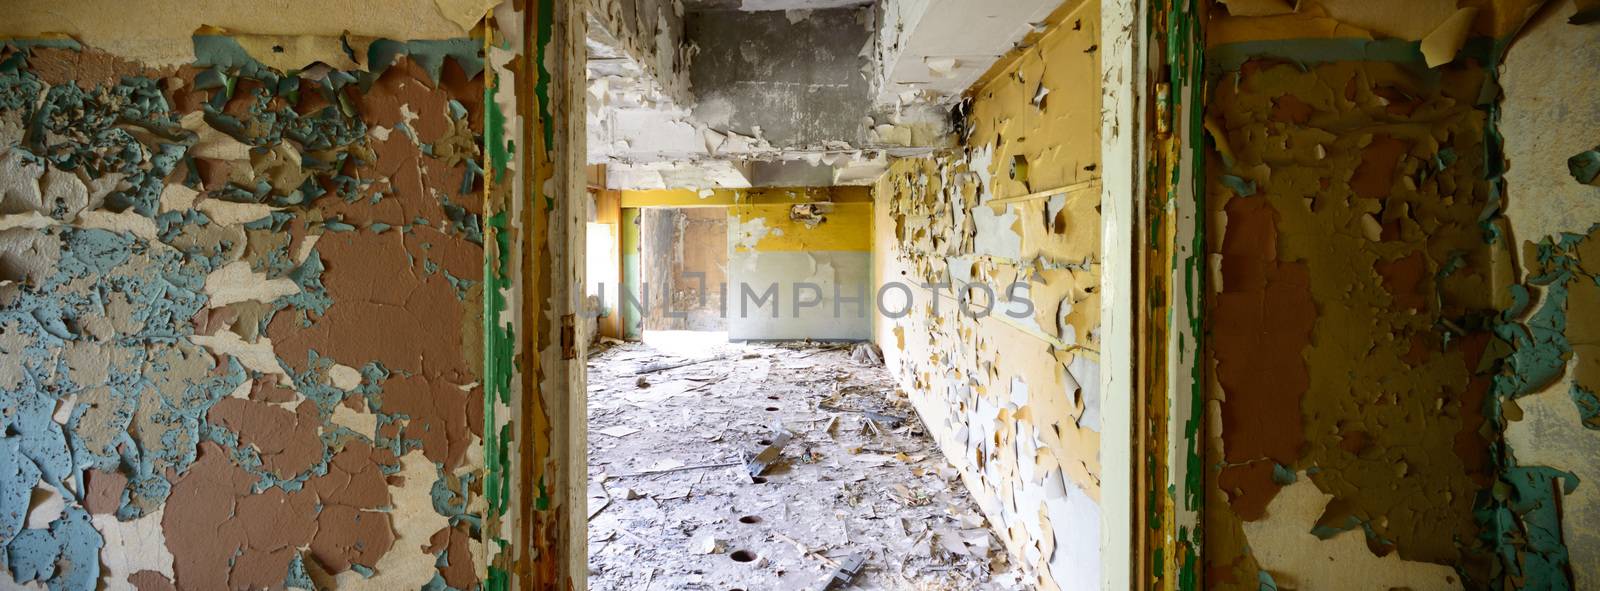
<point>934,50</point>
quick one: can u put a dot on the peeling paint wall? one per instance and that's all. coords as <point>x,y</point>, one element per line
<point>816,260</point>
<point>1553,218</point>
<point>157,32</point>
<point>1012,397</point>
<point>240,313</point>
<point>648,33</point>
<point>1324,223</point>
<point>1390,315</point>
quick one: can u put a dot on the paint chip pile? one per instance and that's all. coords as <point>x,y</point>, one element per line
<point>674,503</point>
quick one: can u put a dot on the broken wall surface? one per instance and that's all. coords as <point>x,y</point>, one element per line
<point>1390,295</point>
<point>785,255</point>
<point>702,266</point>
<point>1010,223</point>
<point>658,254</point>
<point>685,258</point>
<point>1551,135</point>
<point>240,304</point>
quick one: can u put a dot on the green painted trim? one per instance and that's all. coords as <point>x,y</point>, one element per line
<point>498,340</point>
<point>1188,69</point>
<point>1308,52</point>
<point>541,87</point>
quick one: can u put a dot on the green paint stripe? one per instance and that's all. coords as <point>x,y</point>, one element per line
<point>498,340</point>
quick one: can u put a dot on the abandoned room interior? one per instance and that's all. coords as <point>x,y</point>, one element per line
<point>799,294</point>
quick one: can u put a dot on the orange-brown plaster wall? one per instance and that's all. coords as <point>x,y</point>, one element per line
<point>242,339</point>
<point>1385,305</point>
<point>1331,228</point>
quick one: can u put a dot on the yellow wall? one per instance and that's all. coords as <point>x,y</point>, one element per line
<point>847,226</point>
<point>1013,402</point>
<point>724,197</point>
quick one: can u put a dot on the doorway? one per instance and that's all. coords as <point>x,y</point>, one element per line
<point>685,269</point>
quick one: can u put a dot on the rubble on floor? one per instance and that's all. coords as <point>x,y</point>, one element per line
<point>772,467</point>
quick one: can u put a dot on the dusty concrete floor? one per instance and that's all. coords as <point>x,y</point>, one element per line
<point>660,519</point>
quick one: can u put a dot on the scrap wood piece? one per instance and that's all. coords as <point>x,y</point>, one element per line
<point>602,507</point>
<point>807,551</point>
<point>675,469</point>
<point>618,431</point>
<point>846,573</point>
<point>655,367</point>
<point>769,455</point>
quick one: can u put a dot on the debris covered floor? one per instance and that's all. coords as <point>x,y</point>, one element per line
<point>673,505</point>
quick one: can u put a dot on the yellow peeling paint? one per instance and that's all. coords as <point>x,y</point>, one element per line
<point>1014,399</point>
<point>1284,547</point>
<point>848,226</point>
<point>1322,329</point>
<point>1331,19</point>
<point>724,197</point>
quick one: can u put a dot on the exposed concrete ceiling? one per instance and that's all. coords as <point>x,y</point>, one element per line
<point>772,4</point>
<point>933,50</point>
<point>741,93</point>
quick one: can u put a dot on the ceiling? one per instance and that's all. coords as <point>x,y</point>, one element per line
<point>702,5</point>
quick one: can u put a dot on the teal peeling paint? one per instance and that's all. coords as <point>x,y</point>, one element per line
<point>1265,582</point>
<point>429,54</point>
<point>1588,406</point>
<point>1518,516</point>
<point>298,578</point>
<point>1585,166</point>
<point>66,557</point>
<point>1308,52</point>
<point>128,129</point>
<point>1282,475</point>
<point>1240,186</point>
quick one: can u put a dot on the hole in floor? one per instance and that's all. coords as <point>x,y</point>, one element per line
<point>763,442</point>
<point>773,398</point>
<point>772,409</point>
<point>750,519</point>
<point>758,479</point>
<point>743,556</point>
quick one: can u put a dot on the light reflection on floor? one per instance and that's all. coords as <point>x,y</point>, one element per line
<point>686,343</point>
